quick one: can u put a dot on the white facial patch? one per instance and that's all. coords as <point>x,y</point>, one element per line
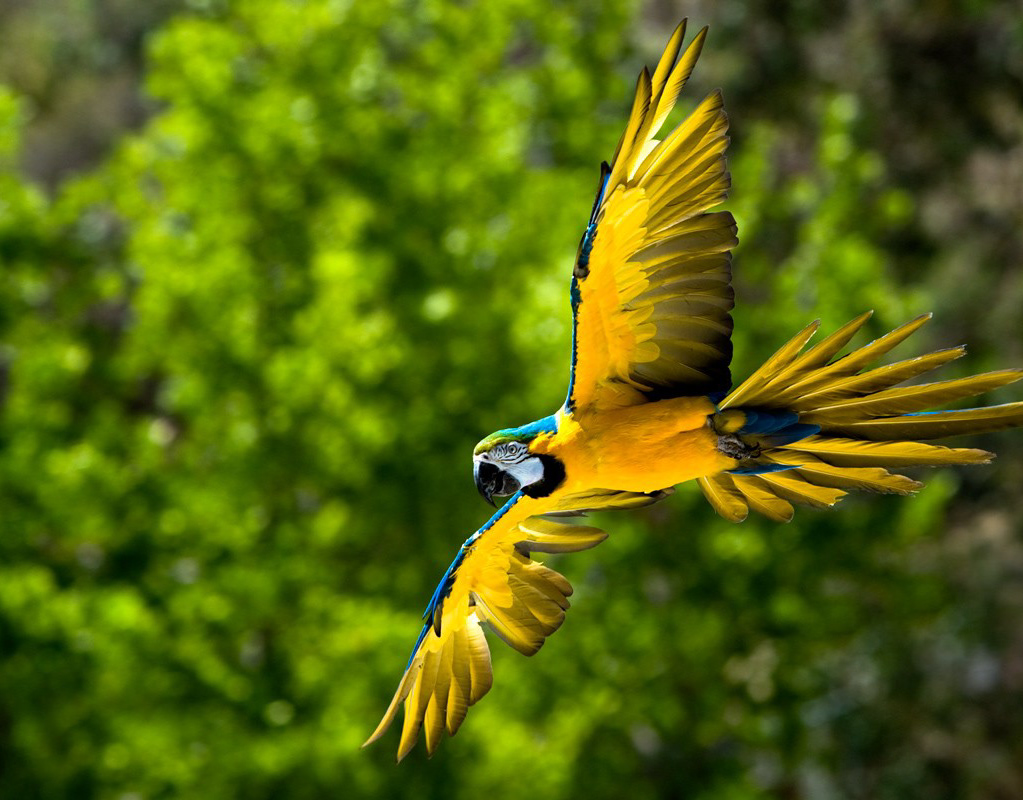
<point>526,472</point>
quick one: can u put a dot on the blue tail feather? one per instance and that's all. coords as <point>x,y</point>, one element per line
<point>789,435</point>
<point>775,428</point>
<point>762,469</point>
<point>767,421</point>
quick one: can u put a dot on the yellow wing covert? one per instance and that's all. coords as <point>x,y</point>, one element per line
<point>651,288</point>
<point>493,579</point>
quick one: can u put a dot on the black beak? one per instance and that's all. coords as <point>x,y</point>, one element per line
<point>490,481</point>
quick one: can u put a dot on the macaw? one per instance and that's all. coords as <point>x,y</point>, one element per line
<point>650,405</point>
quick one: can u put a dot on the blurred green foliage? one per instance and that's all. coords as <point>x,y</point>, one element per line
<point>245,356</point>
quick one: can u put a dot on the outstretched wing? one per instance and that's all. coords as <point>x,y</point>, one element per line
<point>651,291</point>
<point>493,579</point>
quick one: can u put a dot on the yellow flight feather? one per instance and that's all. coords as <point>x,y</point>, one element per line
<point>763,500</point>
<point>674,83</point>
<point>721,493</point>
<point>627,144</point>
<point>496,582</point>
<point>652,316</point>
<point>852,363</point>
<point>909,399</point>
<point>879,378</point>
<point>556,536</point>
<point>708,123</point>
<point>821,473</point>
<point>935,424</point>
<point>749,390</point>
<point>796,489</point>
<point>852,452</point>
<point>664,67</point>
<point>817,356</point>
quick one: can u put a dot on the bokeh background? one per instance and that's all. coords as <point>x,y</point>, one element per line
<point>270,269</point>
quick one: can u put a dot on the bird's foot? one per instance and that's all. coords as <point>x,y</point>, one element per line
<point>734,447</point>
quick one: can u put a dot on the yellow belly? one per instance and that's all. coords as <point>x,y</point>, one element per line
<point>640,448</point>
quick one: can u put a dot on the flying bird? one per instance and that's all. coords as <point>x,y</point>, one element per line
<point>650,405</point>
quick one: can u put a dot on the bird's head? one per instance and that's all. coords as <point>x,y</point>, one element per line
<point>505,462</point>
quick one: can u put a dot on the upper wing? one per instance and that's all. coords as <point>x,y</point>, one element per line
<point>493,580</point>
<point>651,290</point>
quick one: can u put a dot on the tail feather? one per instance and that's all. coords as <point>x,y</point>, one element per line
<point>842,452</point>
<point>871,479</point>
<point>818,355</point>
<point>762,500</point>
<point>720,491</point>
<point>791,434</point>
<point>757,382</point>
<point>881,378</point>
<point>912,399</point>
<point>829,426</point>
<point>796,487</point>
<point>851,364</point>
<point>933,424</point>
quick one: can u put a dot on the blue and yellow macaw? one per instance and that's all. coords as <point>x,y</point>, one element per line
<point>650,405</point>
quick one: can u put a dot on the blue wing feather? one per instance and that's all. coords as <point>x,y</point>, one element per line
<point>581,270</point>
<point>432,614</point>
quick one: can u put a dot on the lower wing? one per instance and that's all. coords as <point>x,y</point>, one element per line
<point>493,579</point>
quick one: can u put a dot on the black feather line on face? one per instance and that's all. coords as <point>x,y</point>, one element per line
<point>553,477</point>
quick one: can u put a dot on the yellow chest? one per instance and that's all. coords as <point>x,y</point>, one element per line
<point>640,448</point>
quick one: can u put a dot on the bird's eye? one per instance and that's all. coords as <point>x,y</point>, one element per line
<point>509,451</point>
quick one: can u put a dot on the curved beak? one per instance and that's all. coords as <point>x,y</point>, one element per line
<point>491,480</point>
